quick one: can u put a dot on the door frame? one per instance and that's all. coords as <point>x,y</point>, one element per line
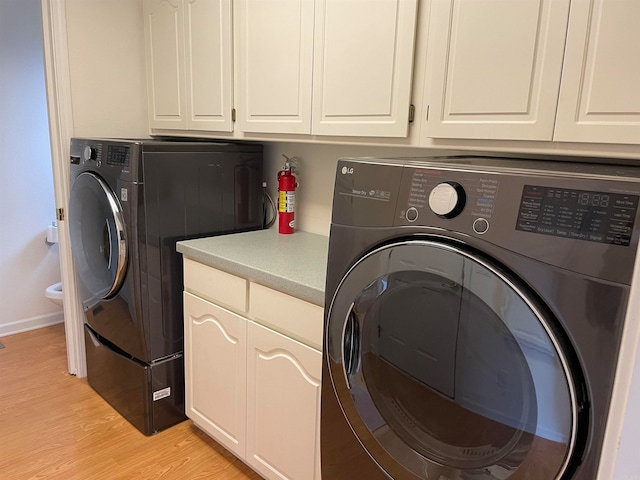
<point>58,86</point>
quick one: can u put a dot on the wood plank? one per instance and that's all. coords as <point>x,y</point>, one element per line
<point>55,426</point>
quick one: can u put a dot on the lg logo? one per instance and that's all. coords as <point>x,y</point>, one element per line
<point>347,170</point>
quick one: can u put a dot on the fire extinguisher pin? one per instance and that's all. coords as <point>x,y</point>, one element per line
<point>290,164</point>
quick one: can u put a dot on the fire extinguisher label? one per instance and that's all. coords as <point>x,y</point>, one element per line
<point>287,202</point>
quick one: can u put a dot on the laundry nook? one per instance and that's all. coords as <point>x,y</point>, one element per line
<point>320,239</point>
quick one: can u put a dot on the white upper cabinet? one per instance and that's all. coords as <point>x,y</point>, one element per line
<point>326,67</point>
<point>189,64</point>
<point>363,61</point>
<point>494,68</point>
<point>209,64</point>
<point>600,92</point>
<point>274,61</point>
<point>164,42</point>
<point>534,70</point>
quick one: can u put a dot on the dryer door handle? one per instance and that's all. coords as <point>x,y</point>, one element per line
<point>107,234</point>
<point>351,346</point>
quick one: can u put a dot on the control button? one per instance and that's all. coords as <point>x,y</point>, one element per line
<point>480,225</point>
<point>411,214</point>
<point>447,199</point>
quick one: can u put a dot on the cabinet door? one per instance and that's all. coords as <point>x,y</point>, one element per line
<point>215,371</point>
<point>164,42</point>
<point>600,93</point>
<point>363,59</point>
<point>208,62</point>
<point>495,68</point>
<point>283,406</point>
<point>275,55</point>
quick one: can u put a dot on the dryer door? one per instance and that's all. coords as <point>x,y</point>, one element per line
<point>98,238</point>
<point>446,368</point>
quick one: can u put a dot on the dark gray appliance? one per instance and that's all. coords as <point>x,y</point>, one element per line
<point>474,312</point>
<point>130,202</point>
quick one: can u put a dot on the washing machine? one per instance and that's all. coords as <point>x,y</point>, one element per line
<point>474,312</point>
<point>130,202</point>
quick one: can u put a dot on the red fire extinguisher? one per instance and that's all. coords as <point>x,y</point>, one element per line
<point>287,196</point>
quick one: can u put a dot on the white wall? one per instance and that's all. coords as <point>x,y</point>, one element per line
<point>27,264</point>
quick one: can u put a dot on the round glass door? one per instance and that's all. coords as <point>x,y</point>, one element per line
<point>446,369</point>
<point>98,238</point>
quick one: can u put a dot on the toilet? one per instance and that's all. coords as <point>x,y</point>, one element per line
<point>54,293</point>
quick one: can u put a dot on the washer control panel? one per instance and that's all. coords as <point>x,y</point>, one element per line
<point>113,158</point>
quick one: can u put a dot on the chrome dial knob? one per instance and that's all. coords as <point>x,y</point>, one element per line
<point>89,153</point>
<point>447,199</point>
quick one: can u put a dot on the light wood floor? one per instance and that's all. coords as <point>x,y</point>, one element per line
<point>54,426</point>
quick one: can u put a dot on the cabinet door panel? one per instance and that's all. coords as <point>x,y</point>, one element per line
<point>275,54</point>
<point>164,36</point>
<point>496,67</point>
<point>362,69</point>
<point>283,400</point>
<point>599,97</point>
<point>215,371</point>
<point>209,65</point>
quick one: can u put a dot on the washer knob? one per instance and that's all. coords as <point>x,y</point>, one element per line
<point>447,199</point>
<point>89,153</point>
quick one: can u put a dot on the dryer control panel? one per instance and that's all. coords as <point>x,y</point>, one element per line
<point>545,210</point>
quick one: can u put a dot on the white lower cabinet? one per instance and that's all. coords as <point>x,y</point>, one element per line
<point>283,404</point>
<point>215,371</point>
<point>252,388</point>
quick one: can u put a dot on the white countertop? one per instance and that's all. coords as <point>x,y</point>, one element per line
<point>294,264</point>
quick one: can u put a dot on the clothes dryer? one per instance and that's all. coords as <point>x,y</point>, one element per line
<point>130,202</point>
<point>474,313</point>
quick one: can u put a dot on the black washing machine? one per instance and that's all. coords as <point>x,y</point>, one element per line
<point>474,312</point>
<point>130,202</point>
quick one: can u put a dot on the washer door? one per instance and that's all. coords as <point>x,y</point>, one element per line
<point>98,238</point>
<point>445,368</point>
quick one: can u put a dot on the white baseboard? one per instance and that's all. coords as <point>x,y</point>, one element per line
<point>31,323</point>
